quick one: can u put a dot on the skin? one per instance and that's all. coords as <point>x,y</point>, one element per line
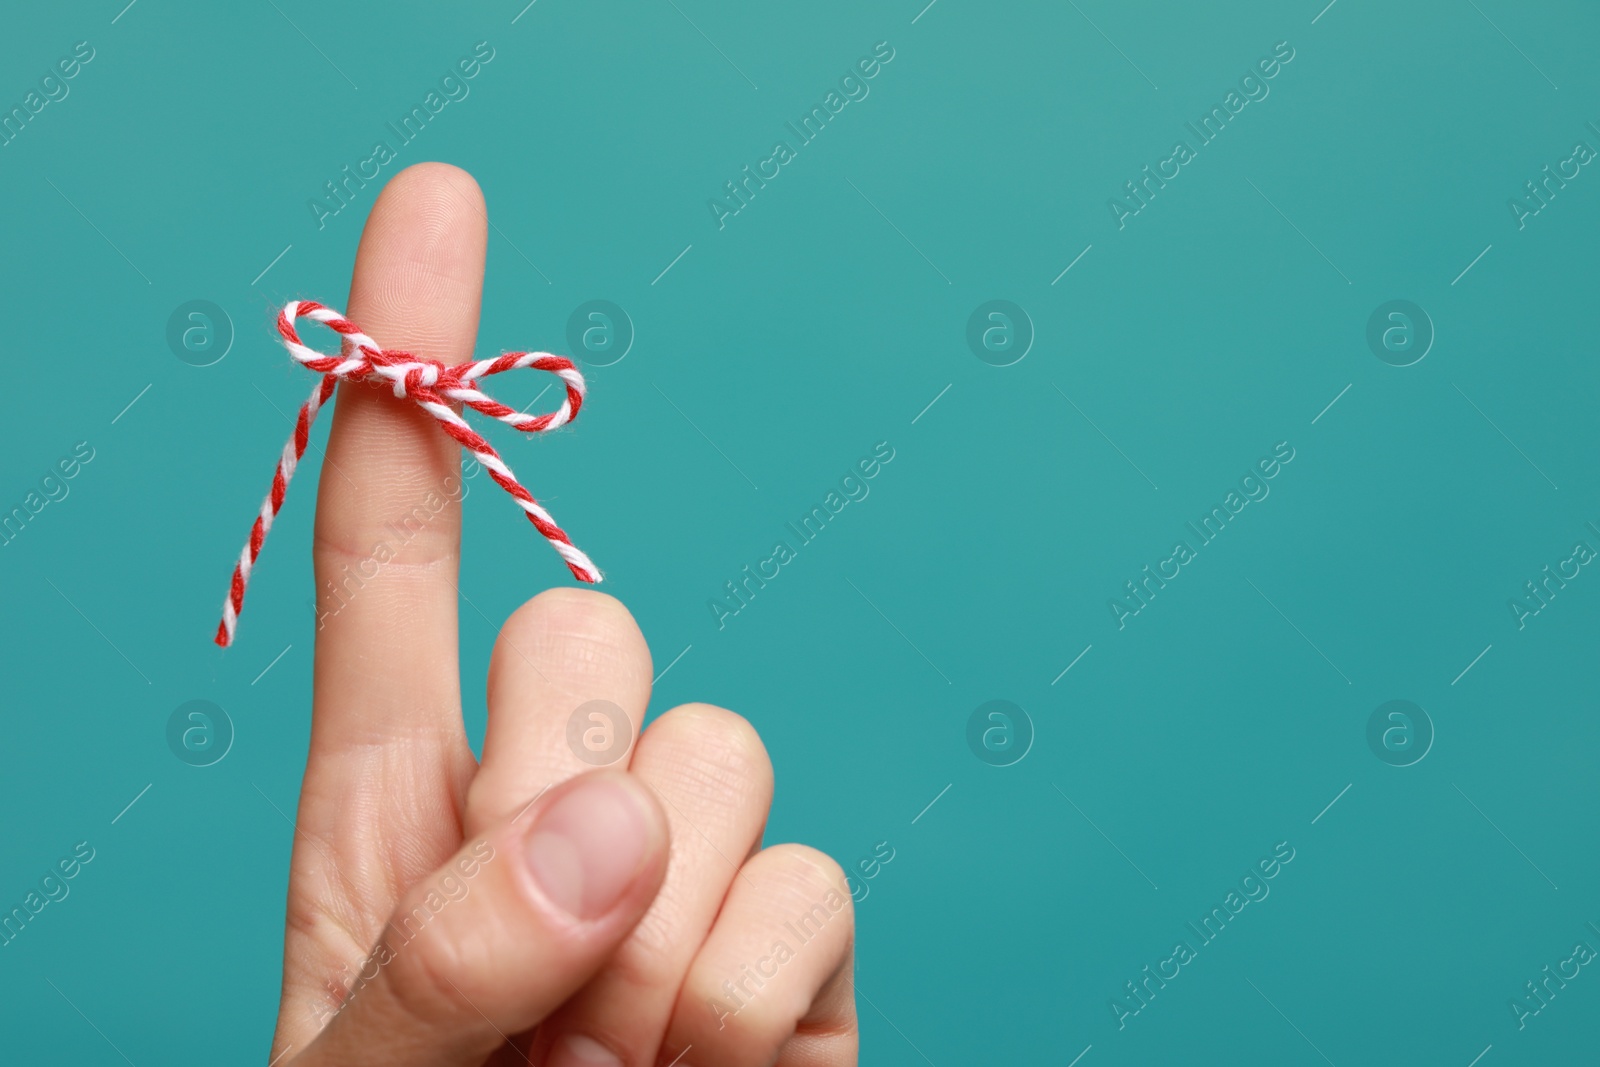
<point>433,916</point>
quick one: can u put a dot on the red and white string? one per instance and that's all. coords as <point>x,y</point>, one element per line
<point>430,384</point>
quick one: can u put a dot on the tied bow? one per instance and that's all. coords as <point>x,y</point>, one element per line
<point>430,384</point>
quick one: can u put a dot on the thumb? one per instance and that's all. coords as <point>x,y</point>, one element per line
<point>508,929</point>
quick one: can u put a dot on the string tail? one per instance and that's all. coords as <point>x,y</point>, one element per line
<point>288,460</point>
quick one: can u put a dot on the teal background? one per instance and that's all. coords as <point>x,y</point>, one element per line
<point>1210,328</point>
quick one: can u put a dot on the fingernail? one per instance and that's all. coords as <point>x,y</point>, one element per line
<point>575,1050</point>
<point>588,846</point>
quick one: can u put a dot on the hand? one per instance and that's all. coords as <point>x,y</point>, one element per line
<point>531,909</point>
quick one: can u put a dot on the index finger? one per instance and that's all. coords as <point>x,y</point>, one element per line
<point>389,761</point>
<point>388,533</point>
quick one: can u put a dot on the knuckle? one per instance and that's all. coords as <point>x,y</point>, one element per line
<point>740,1020</point>
<point>432,975</point>
<point>349,554</point>
<point>643,966</point>
<point>804,862</point>
<point>718,737</point>
<point>808,888</point>
<point>803,873</point>
<point>586,626</point>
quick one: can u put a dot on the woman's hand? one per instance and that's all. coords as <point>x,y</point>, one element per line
<point>531,909</point>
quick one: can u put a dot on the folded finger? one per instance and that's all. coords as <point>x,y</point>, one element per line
<point>714,779</point>
<point>569,681</point>
<point>772,983</point>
